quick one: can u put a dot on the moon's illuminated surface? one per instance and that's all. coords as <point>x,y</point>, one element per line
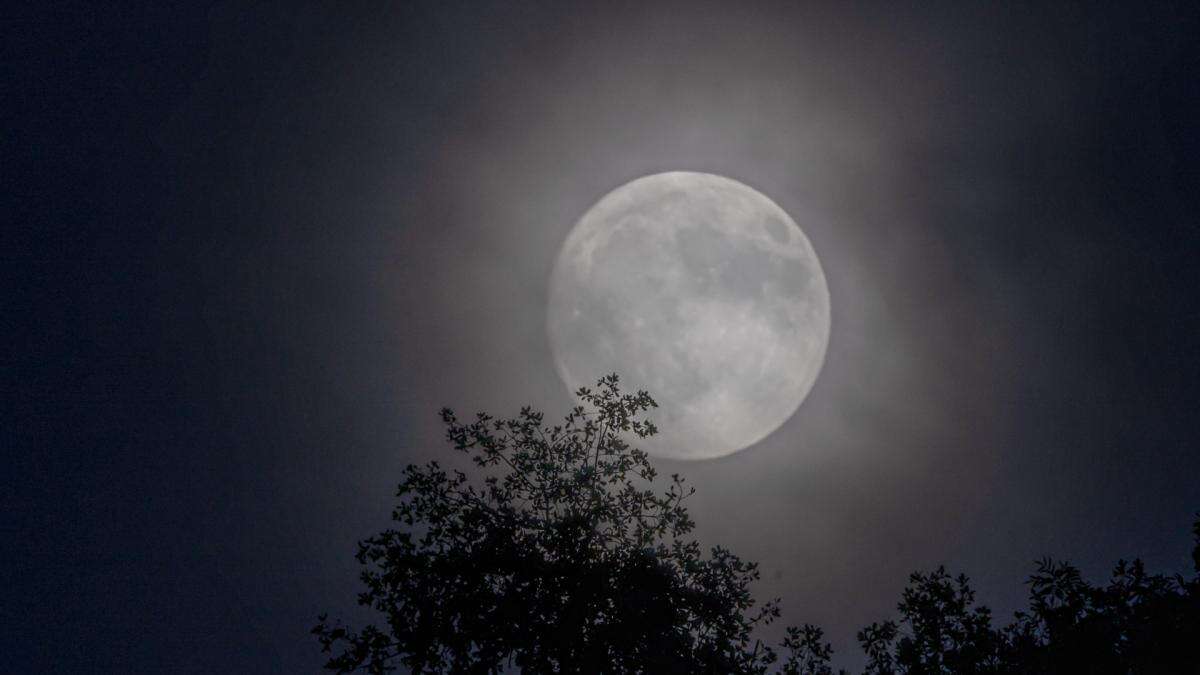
<point>702,291</point>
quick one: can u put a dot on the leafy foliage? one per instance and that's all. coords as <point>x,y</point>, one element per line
<point>1138,623</point>
<point>564,559</point>
<point>807,655</point>
<point>944,631</point>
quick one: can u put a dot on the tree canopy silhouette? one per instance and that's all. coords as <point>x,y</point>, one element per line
<point>563,558</point>
<point>1137,623</point>
<point>563,555</point>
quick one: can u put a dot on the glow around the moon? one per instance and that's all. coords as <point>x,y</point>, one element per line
<point>702,291</point>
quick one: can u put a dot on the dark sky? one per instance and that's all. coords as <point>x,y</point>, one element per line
<point>252,248</point>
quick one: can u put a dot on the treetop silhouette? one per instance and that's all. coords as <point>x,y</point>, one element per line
<point>565,554</point>
<point>563,558</point>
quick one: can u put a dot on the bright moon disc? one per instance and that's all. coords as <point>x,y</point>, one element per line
<point>703,292</point>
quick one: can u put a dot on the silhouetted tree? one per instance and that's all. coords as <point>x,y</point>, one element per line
<point>1138,623</point>
<point>562,559</point>
<point>807,655</point>
<point>941,631</point>
<point>877,641</point>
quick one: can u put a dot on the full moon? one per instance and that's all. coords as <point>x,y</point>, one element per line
<point>703,292</point>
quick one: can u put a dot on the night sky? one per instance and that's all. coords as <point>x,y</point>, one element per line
<point>252,248</point>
